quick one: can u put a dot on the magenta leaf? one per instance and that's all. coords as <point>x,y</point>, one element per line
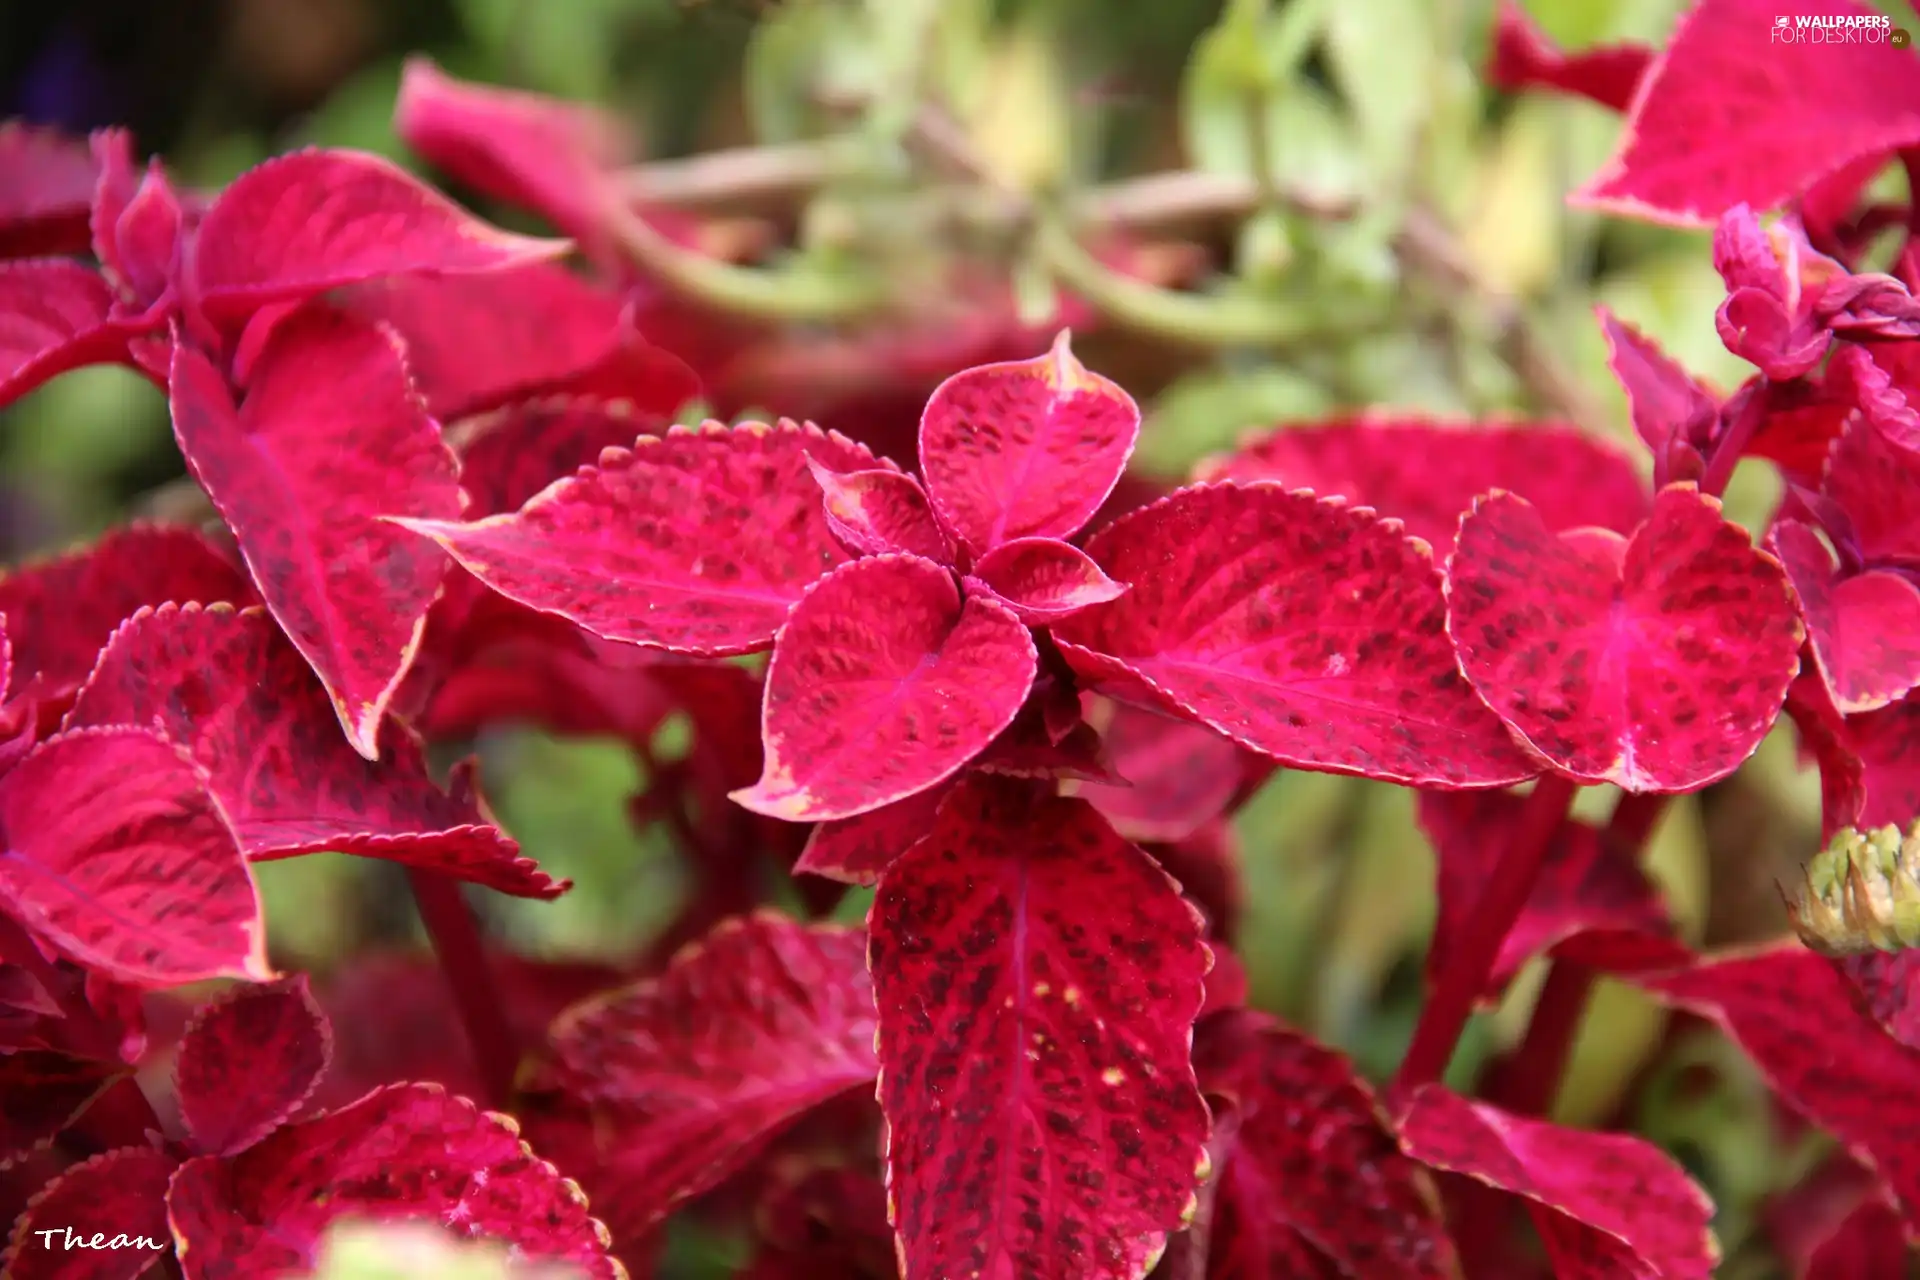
<point>1299,627</point>
<point>1827,740</point>
<point>1426,473</point>
<point>1608,1205</point>
<point>60,612</point>
<point>1773,277</point>
<point>1656,662</point>
<point>1178,776</point>
<point>138,240</point>
<point>329,439</point>
<point>1024,448</point>
<point>103,1219</point>
<point>53,317</point>
<point>303,223</point>
<point>1872,479</point>
<point>880,511</point>
<point>698,542</point>
<point>690,1075</point>
<point>46,190</point>
<point>46,1091</point>
<point>1739,111</point>
<point>1037,979</point>
<point>1523,58</point>
<point>114,851</point>
<point>248,1061</point>
<point>410,1151</point>
<point>228,686</point>
<point>1670,407</point>
<point>1306,1163</point>
<point>1864,628</point>
<point>1870,1241</point>
<point>884,682</point>
<point>509,455</point>
<point>1044,580</point>
<point>1886,986</point>
<point>858,849</point>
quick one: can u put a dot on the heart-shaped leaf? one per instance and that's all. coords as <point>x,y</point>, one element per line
<point>53,317</point>
<point>881,511</point>
<point>1044,580</point>
<point>1299,627</point>
<point>1864,627</point>
<point>1656,662</point>
<point>113,1207</point>
<point>1037,978</point>
<point>1024,448</point>
<point>248,1061</point>
<point>884,682</point>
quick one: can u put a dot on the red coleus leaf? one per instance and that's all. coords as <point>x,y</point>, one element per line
<point>690,1075</point>
<point>1300,627</point>
<point>1426,473</point>
<point>1024,448</point>
<point>46,190</point>
<point>139,225</point>
<point>303,223</point>
<point>1871,1241</point>
<point>53,317</point>
<point>1739,110</point>
<point>329,439</point>
<point>1773,278</point>
<point>1871,478</point>
<point>103,1219</point>
<point>1177,775</point>
<point>1308,1163</point>
<point>1826,739</point>
<point>697,542</point>
<point>1044,580</point>
<point>1670,407</point>
<point>885,681</point>
<point>1886,986</point>
<point>1656,662</point>
<point>1037,978</point>
<point>60,612</point>
<point>116,853</point>
<point>46,1091</point>
<point>1864,627</point>
<point>247,1063</point>
<point>1523,58</point>
<point>880,511</point>
<point>228,686</point>
<point>411,1151</point>
<point>856,850</point>
<point>1584,885</point>
<point>1608,1205</point>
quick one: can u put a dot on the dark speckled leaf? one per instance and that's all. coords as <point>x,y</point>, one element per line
<point>247,1062</point>
<point>1037,978</point>
<point>1656,662</point>
<point>881,510</point>
<point>1300,627</point>
<point>1864,627</point>
<point>118,1198</point>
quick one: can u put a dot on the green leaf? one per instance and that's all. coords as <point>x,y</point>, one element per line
<point>1384,55</point>
<point>799,54</point>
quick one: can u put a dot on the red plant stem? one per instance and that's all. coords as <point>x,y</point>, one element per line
<point>470,978</point>
<point>1734,441</point>
<point>1465,975</point>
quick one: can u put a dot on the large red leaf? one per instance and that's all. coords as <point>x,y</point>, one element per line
<point>117,854</point>
<point>1301,627</point>
<point>53,317</point>
<point>856,850</point>
<point>1308,1163</point>
<point>247,1062</point>
<point>1609,1206</point>
<point>329,439</point>
<point>884,682</point>
<point>411,1151</point>
<point>228,686</point>
<point>1732,112</point>
<point>46,190</point>
<point>691,1074</point>
<point>1864,627</point>
<point>1523,58</point>
<point>60,612</point>
<point>1656,662</point>
<point>699,541</point>
<point>1178,775</point>
<point>1024,448</point>
<point>303,223</point>
<point>1037,978</point>
<point>1426,473</point>
<point>103,1219</point>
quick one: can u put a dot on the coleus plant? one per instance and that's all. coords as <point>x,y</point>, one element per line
<point>1017,707</point>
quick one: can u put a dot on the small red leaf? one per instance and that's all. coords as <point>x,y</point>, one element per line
<point>1037,978</point>
<point>884,682</point>
<point>1523,58</point>
<point>53,317</point>
<point>1737,110</point>
<point>1179,775</point>
<point>115,852</point>
<point>1044,580</point>
<point>247,1062</point>
<point>697,542</point>
<point>1872,479</point>
<point>103,1219</point>
<point>1887,745</point>
<point>1871,1241</point>
<point>1024,448</point>
<point>1669,405</point>
<point>303,223</point>
<point>228,686</point>
<point>691,1074</point>
<point>1864,628</point>
<point>1299,627</point>
<point>330,439</point>
<point>138,241</point>
<point>410,1151</point>
<point>60,612</point>
<point>881,511</point>
<point>1311,1163</point>
<point>46,1092</point>
<point>857,850</point>
<point>1656,662</point>
<point>1608,1205</point>
<point>46,190</point>
<point>1886,985</point>
<point>1426,473</point>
